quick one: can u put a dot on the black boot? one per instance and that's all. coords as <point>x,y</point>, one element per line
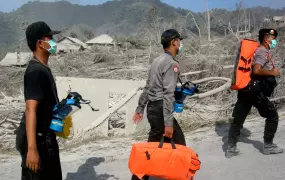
<point>271,148</point>
<point>231,151</point>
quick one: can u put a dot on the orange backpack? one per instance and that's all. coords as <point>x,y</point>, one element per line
<point>243,65</point>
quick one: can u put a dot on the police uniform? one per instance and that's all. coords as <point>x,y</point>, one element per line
<point>158,94</point>
<point>258,99</point>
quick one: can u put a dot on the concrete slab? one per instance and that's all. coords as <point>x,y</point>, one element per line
<point>130,110</point>
<point>96,90</point>
<point>89,90</point>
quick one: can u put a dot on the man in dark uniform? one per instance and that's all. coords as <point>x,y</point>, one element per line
<point>35,141</point>
<point>263,76</point>
<point>158,93</point>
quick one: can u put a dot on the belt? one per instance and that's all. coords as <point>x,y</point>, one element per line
<point>46,134</point>
<point>155,101</point>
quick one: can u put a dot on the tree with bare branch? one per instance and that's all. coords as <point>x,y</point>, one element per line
<point>208,20</point>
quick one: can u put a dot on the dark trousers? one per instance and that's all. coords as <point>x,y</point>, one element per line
<point>50,167</point>
<point>243,106</point>
<point>156,120</point>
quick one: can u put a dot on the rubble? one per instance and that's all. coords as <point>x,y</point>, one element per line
<point>132,64</point>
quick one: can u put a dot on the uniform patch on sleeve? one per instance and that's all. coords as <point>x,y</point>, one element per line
<point>175,68</point>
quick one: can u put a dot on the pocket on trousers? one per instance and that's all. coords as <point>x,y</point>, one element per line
<point>21,141</point>
<point>48,147</point>
<point>253,87</point>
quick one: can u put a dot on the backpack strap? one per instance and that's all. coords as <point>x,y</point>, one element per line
<point>189,82</point>
<point>244,69</point>
<point>179,79</point>
<point>270,59</point>
<point>245,60</point>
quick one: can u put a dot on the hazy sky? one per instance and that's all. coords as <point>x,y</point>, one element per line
<point>194,5</point>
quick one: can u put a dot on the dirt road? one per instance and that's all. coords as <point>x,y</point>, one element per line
<point>104,160</point>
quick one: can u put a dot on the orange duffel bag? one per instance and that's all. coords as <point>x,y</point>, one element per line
<point>163,160</point>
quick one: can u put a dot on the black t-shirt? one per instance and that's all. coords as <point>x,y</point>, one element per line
<point>39,85</point>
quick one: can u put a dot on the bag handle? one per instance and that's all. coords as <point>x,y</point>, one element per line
<point>188,82</point>
<point>162,142</point>
<point>52,87</point>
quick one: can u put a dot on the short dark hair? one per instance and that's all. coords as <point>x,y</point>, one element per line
<point>32,44</point>
<point>166,45</point>
<point>168,35</point>
<point>264,33</point>
<point>262,37</point>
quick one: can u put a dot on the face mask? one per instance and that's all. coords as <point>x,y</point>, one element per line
<point>180,48</point>
<point>273,44</point>
<point>53,46</point>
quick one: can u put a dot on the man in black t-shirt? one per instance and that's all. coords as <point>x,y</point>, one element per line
<point>35,140</point>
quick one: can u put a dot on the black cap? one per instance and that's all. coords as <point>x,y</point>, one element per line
<point>38,30</point>
<point>170,34</point>
<point>263,32</point>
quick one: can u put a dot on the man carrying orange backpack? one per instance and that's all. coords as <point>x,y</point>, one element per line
<point>262,76</point>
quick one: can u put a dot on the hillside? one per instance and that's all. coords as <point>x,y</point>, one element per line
<point>115,17</point>
<point>120,18</point>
